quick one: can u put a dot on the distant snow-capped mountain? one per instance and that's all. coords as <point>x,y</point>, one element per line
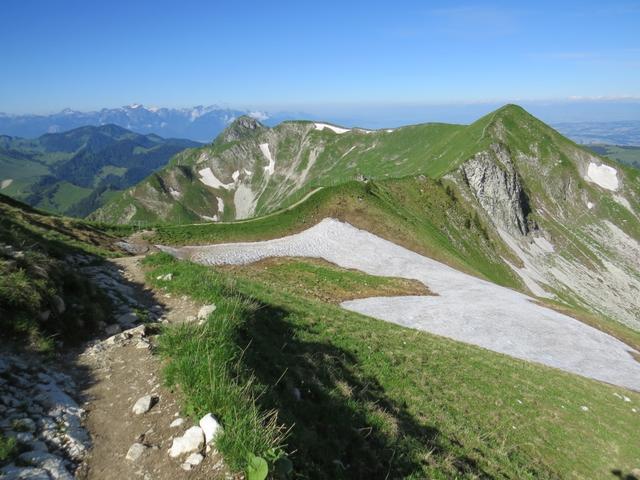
<point>200,123</point>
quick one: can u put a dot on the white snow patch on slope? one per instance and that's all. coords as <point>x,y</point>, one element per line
<point>623,201</point>
<point>338,130</point>
<point>220,205</point>
<point>211,219</point>
<point>464,308</point>
<point>590,205</point>
<point>236,175</point>
<point>602,175</point>
<point>247,172</point>
<point>244,200</point>
<point>269,169</point>
<point>208,178</point>
<point>175,193</point>
<point>5,183</point>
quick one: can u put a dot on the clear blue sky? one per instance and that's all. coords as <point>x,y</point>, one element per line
<point>295,54</point>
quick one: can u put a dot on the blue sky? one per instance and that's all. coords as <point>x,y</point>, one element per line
<point>313,54</point>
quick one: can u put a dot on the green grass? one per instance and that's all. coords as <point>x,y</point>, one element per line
<point>418,213</point>
<point>30,280</point>
<point>8,448</point>
<point>379,400</point>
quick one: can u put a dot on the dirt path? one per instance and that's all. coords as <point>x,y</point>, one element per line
<point>123,369</point>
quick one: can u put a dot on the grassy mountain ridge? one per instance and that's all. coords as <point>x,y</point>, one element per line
<point>559,217</point>
<point>77,171</point>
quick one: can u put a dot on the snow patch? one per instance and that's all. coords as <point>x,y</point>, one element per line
<point>465,308</point>
<point>5,183</point>
<point>338,130</point>
<point>623,201</point>
<point>603,176</point>
<point>236,175</point>
<point>208,178</point>
<point>220,206</point>
<point>247,172</point>
<point>175,193</point>
<point>590,205</point>
<point>244,201</point>
<point>269,169</point>
<point>211,219</point>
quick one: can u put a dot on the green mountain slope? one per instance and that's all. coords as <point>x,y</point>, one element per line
<point>560,218</point>
<point>77,171</point>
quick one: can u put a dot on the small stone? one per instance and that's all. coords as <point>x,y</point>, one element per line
<point>584,408</point>
<point>135,451</point>
<point>127,318</point>
<point>210,427</point>
<point>297,395</point>
<point>58,304</point>
<point>112,329</point>
<point>24,425</point>
<point>191,441</point>
<point>178,422</point>
<point>205,311</point>
<point>144,404</point>
<point>194,459</point>
<point>165,278</point>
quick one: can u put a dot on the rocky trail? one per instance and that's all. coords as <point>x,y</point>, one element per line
<point>102,411</point>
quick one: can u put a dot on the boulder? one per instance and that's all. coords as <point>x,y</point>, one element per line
<point>192,441</point>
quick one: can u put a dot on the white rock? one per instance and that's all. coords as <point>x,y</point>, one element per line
<point>205,311</point>
<point>191,441</point>
<point>135,452</point>
<point>194,459</point>
<point>584,408</point>
<point>178,422</point>
<point>166,278</point>
<point>144,404</point>
<point>210,427</point>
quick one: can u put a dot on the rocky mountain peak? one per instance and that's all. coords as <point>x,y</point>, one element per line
<point>240,128</point>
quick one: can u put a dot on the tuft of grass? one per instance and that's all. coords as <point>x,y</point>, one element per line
<point>206,363</point>
<point>8,448</point>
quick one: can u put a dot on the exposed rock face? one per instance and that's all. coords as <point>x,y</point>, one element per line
<point>495,183</point>
<point>239,128</point>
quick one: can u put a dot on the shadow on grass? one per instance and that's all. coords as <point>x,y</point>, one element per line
<point>344,424</point>
<point>624,476</point>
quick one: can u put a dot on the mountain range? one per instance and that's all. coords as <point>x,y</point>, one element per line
<point>201,123</point>
<point>77,171</point>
